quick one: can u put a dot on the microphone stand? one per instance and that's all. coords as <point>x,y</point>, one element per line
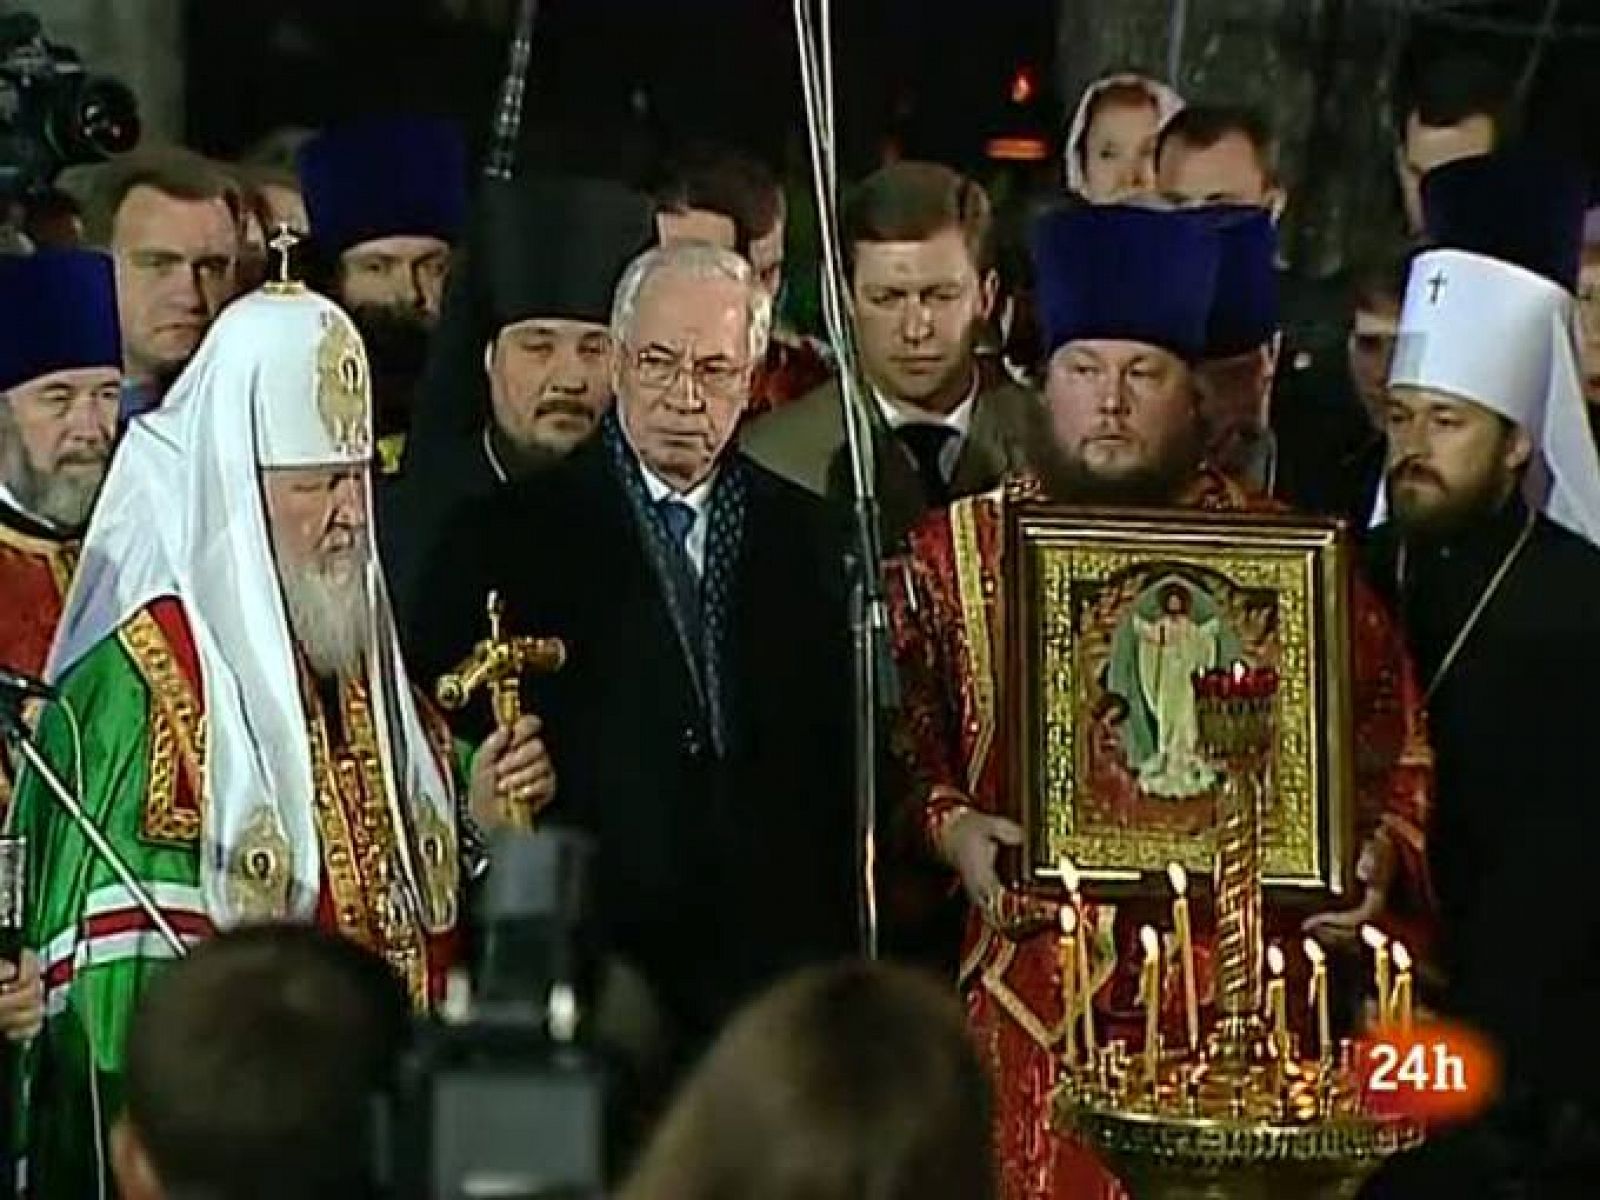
<point>13,893</point>
<point>875,683</point>
<point>13,728</point>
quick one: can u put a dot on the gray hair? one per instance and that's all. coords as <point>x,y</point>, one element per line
<point>697,260</point>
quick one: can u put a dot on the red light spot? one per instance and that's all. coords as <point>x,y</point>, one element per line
<point>1023,86</point>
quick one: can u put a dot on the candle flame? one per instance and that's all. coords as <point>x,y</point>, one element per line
<point>1315,953</point>
<point>1069,873</point>
<point>1150,940</point>
<point>1179,878</point>
<point>1275,962</point>
<point>1069,920</point>
<point>1402,956</point>
<point>1374,937</point>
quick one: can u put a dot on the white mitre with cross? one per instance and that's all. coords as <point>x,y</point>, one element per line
<point>1507,339</point>
<point>281,380</point>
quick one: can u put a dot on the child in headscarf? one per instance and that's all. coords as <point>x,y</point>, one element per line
<point>1111,143</point>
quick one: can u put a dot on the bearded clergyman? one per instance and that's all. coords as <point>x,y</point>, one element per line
<point>1127,295</point>
<point>60,368</point>
<point>250,744</point>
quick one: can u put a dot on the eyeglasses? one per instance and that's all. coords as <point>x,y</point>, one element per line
<point>719,378</point>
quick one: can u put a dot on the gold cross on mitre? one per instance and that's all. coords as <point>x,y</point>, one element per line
<point>282,244</point>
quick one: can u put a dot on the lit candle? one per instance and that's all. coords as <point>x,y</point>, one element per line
<point>1375,938</point>
<point>1150,989</point>
<point>1400,1008</point>
<point>1277,1002</point>
<point>1319,997</point>
<point>1069,981</point>
<point>1180,920</point>
<point>1085,991</point>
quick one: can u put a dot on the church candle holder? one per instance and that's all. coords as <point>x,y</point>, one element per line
<point>1240,1118</point>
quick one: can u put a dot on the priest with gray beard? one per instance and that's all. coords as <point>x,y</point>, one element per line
<point>60,370</point>
<point>250,745</point>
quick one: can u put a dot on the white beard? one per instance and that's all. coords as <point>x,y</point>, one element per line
<point>327,610</point>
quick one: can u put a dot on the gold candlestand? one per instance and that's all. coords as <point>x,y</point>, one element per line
<point>1239,1120</point>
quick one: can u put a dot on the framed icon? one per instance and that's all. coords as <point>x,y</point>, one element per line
<point>1112,614</point>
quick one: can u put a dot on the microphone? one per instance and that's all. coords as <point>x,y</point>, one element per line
<point>19,686</point>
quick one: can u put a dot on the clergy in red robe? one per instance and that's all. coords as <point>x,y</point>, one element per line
<point>60,370</point>
<point>1125,297</point>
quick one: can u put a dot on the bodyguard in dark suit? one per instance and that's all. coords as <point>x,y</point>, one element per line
<point>700,727</point>
<point>918,238</point>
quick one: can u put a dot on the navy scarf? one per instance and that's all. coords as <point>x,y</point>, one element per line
<point>700,611</point>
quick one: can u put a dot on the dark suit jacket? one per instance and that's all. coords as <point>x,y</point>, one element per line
<point>805,443</point>
<point>715,876</point>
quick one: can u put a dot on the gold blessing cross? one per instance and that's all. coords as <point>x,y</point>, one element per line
<point>498,663</point>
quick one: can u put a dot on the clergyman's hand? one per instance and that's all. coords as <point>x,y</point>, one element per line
<point>971,843</point>
<point>1343,929</point>
<point>513,778</point>
<point>21,998</point>
<point>1375,869</point>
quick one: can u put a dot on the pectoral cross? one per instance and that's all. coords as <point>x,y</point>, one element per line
<point>1436,285</point>
<point>282,244</point>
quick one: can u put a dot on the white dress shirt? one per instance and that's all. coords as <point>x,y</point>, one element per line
<point>958,420</point>
<point>698,498</point>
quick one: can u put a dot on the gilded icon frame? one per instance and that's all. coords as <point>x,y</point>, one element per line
<point>1096,605</point>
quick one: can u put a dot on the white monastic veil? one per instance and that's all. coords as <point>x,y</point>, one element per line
<point>182,515</point>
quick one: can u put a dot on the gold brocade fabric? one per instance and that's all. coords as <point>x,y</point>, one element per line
<point>365,895</point>
<point>366,898</point>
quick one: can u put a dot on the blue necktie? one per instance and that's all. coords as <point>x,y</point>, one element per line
<point>679,518</point>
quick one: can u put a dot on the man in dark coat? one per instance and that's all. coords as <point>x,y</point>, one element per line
<point>700,724</point>
<point>1498,586</point>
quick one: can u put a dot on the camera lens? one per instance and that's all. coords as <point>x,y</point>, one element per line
<point>98,119</point>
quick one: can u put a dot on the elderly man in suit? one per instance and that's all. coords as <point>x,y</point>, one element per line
<point>709,758</point>
<point>918,243</point>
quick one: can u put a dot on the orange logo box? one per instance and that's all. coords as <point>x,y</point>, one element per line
<point>1438,1073</point>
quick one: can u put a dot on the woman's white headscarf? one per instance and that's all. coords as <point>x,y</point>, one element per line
<point>1167,103</point>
